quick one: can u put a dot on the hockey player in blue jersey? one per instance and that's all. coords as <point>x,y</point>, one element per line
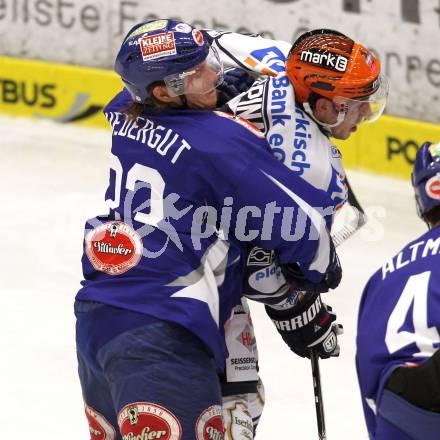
<point>398,337</point>
<point>189,190</point>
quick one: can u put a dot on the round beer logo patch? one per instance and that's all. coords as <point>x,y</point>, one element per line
<point>198,37</point>
<point>183,27</point>
<point>113,247</point>
<point>99,427</point>
<point>144,420</point>
<point>433,187</point>
<point>209,425</point>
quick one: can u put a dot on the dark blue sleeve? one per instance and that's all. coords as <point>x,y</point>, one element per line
<point>290,215</point>
<point>119,102</point>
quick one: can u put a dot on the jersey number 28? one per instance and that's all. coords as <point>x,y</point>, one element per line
<point>147,175</point>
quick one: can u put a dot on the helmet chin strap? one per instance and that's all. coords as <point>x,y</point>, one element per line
<point>327,127</point>
<point>184,101</point>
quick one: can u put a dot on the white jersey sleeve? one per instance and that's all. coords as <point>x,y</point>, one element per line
<point>251,52</point>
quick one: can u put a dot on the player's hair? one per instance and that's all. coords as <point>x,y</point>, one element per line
<point>135,109</point>
<point>313,99</point>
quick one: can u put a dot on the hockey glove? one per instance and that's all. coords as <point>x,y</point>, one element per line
<point>419,385</point>
<point>235,81</point>
<point>331,279</point>
<point>309,325</point>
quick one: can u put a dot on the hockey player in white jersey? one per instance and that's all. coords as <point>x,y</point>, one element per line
<point>323,86</point>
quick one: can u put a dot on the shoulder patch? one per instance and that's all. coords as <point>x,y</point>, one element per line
<point>243,122</point>
<point>335,151</point>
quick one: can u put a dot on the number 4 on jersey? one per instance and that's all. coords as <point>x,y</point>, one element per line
<point>415,292</point>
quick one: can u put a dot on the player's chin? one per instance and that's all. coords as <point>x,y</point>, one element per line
<point>345,134</point>
<point>341,135</point>
<point>204,101</point>
<point>211,98</point>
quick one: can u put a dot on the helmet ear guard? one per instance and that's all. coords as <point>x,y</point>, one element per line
<point>425,178</point>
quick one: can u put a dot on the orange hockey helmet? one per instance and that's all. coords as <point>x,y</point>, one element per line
<point>332,65</point>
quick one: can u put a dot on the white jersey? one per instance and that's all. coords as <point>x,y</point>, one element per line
<point>297,141</point>
<point>295,138</point>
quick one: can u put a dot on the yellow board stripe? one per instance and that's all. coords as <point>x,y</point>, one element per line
<point>388,146</point>
<point>56,91</point>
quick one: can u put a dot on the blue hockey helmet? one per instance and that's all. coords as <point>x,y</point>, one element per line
<point>169,51</point>
<point>426,177</point>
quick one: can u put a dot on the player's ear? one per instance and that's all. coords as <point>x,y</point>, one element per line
<point>323,106</point>
<point>324,110</point>
<point>162,95</point>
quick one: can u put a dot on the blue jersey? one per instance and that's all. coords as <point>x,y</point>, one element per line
<point>399,318</point>
<point>188,191</point>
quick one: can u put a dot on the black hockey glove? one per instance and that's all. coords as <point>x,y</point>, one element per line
<point>235,81</point>
<point>309,325</point>
<point>331,280</point>
<point>419,385</point>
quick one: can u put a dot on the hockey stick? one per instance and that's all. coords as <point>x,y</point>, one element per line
<point>319,404</point>
<point>338,238</point>
<point>354,225</point>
